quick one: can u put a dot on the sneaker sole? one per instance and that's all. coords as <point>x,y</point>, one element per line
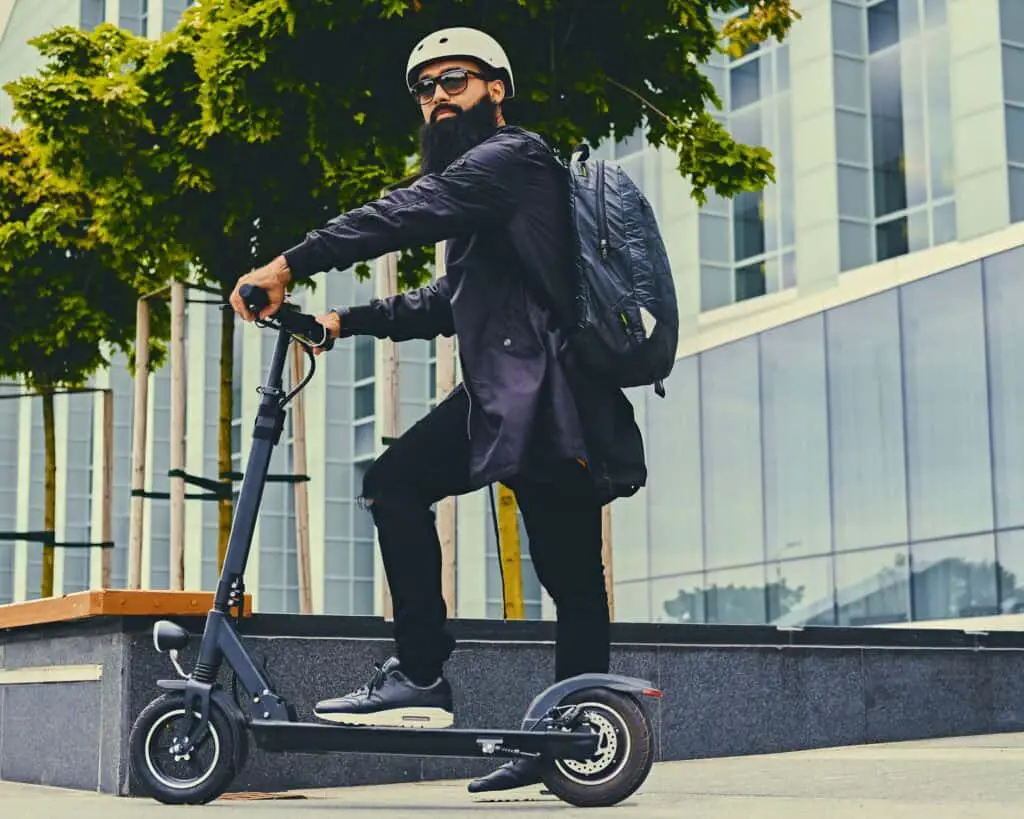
<point>395,718</point>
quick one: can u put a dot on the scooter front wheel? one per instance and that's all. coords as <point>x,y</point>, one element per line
<point>624,756</point>
<point>181,779</point>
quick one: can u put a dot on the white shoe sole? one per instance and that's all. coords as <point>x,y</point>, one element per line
<point>395,718</point>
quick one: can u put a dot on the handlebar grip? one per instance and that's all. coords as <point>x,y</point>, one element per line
<point>255,298</point>
<point>303,324</point>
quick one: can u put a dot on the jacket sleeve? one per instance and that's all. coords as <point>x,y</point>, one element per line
<point>480,188</point>
<point>424,313</point>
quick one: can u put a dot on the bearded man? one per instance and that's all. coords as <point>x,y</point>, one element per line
<point>525,413</point>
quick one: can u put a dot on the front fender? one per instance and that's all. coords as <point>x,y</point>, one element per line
<point>239,729</point>
<point>554,694</point>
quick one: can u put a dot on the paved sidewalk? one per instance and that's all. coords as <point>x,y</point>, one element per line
<point>963,778</point>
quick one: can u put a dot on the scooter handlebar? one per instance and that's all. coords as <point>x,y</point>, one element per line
<point>295,322</point>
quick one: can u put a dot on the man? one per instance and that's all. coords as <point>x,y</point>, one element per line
<point>524,415</point>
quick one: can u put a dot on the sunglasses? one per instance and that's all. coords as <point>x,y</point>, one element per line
<point>453,81</point>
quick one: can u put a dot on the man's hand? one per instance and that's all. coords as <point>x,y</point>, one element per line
<point>333,325</point>
<point>272,278</point>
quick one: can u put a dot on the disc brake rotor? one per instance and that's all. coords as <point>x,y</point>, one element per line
<point>607,746</point>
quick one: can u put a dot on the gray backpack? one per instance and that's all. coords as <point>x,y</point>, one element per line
<point>627,318</point>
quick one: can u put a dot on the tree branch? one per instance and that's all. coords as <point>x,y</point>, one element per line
<point>640,97</point>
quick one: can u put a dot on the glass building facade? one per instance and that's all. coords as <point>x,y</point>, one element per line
<point>859,465</point>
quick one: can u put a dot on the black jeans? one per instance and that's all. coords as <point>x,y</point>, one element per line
<point>563,522</point>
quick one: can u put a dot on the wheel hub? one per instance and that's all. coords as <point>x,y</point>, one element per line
<point>196,764</point>
<point>613,746</point>
<point>607,747</point>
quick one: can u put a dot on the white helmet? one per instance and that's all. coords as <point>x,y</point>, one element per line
<point>449,43</point>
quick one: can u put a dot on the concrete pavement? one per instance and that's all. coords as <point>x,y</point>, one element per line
<point>961,778</point>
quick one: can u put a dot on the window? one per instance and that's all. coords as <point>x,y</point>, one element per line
<point>848,28</point>
<point>944,364</point>
<point>134,16</point>
<point>883,25</point>
<point>1011,21</point>
<point>801,592</point>
<point>94,12</point>
<point>905,141</point>
<point>10,410</point>
<point>745,84</point>
<point>1011,15</point>
<point>736,596</point>
<point>954,578</point>
<point>794,420</point>
<point>866,423</point>
<point>873,587</point>
<point>173,9</point>
<point>1004,289</point>
<point>674,492</point>
<point>1017,194</point>
<point>731,448</point>
<point>78,493</point>
<point>887,133</point>
<point>743,241</point>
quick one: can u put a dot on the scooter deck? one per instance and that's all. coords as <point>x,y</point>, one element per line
<point>308,737</point>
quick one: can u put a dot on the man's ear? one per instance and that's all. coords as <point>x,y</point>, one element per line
<point>496,90</point>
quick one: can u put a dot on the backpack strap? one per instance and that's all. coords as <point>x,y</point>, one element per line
<point>581,153</point>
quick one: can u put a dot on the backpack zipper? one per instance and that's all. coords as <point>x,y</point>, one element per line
<point>602,218</point>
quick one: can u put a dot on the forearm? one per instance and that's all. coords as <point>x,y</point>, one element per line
<point>421,314</point>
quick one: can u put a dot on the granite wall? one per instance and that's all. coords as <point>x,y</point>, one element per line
<point>728,691</point>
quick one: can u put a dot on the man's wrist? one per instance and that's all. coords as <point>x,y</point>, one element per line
<point>281,269</point>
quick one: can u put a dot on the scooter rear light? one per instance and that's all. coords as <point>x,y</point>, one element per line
<point>651,692</point>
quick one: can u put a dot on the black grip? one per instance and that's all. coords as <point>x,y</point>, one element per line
<point>304,325</point>
<point>301,324</point>
<point>255,298</point>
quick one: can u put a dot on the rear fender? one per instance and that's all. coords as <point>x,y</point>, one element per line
<point>553,695</point>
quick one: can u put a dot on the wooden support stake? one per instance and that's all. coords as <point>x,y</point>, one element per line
<point>177,454</point>
<point>301,489</point>
<point>389,420</point>
<point>107,511</point>
<point>446,508</point>
<point>139,444</point>
<point>509,553</point>
<point>606,557</point>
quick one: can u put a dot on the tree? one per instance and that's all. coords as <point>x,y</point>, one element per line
<point>257,120</point>
<point>64,303</point>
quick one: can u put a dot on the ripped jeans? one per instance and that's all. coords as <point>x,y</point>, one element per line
<point>562,516</point>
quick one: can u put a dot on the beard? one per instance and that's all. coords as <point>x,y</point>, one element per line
<point>444,141</point>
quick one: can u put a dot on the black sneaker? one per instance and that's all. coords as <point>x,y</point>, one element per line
<point>391,699</point>
<point>519,773</point>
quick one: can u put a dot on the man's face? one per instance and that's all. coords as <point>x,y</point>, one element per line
<point>460,110</point>
<point>465,89</point>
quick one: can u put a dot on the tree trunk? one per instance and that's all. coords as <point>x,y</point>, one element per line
<point>50,496</point>
<point>227,356</point>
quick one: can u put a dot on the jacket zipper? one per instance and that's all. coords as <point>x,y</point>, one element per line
<point>602,218</point>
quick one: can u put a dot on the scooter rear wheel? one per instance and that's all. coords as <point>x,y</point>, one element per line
<point>625,751</point>
<point>192,779</point>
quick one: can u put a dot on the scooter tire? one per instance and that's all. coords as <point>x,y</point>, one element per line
<point>624,757</point>
<point>147,761</point>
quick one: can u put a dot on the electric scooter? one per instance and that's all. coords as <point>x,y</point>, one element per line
<point>591,732</point>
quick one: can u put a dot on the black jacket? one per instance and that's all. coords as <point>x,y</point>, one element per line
<point>503,208</point>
